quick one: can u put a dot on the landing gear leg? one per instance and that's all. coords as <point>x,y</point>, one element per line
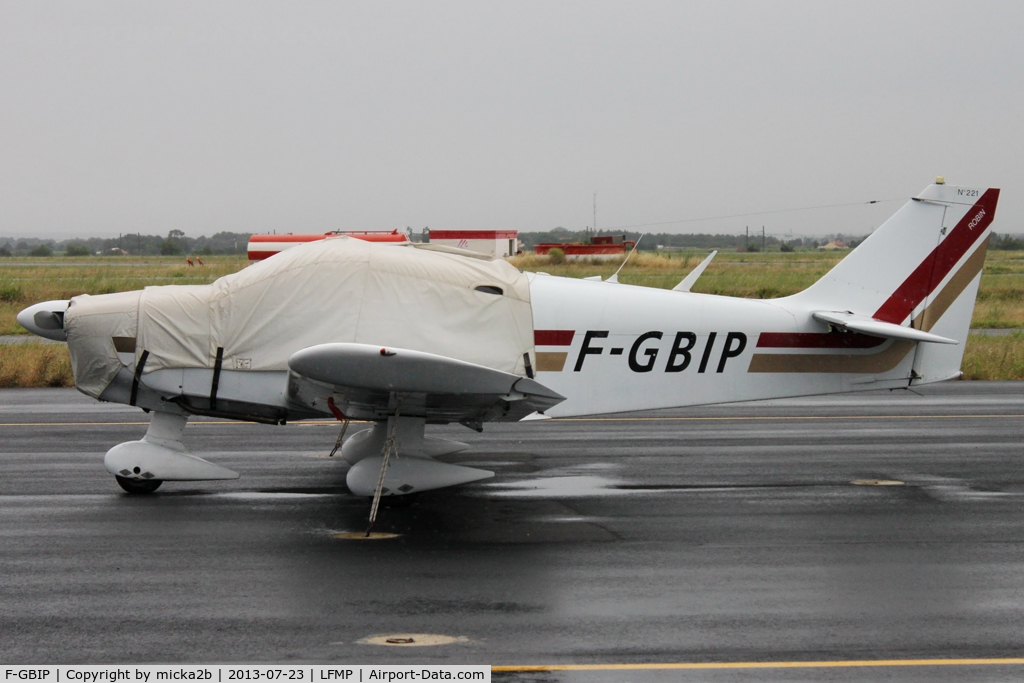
<point>344,425</point>
<point>389,445</point>
<point>138,486</point>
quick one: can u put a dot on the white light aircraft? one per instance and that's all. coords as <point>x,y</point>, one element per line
<point>405,335</point>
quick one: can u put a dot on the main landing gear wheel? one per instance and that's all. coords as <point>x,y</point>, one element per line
<point>136,486</point>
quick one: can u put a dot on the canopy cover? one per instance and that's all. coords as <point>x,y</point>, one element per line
<point>335,290</point>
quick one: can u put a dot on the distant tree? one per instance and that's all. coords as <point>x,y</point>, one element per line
<point>41,250</point>
<point>77,250</point>
<point>6,250</point>
<point>174,244</point>
<point>753,247</point>
<point>1006,242</point>
<point>786,247</point>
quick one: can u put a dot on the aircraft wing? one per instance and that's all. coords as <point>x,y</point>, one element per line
<point>367,381</point>
<point>877,328</point>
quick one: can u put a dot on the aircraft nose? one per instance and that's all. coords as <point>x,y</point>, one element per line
<point>45,319</point>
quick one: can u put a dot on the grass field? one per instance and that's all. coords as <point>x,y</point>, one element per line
<point>758,275</point>
<point>35,365</point>
<point>994,357</point>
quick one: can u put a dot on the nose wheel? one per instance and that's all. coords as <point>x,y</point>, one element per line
<point>138,486</point>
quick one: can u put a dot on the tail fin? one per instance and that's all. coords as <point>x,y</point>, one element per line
<point>921,268</point>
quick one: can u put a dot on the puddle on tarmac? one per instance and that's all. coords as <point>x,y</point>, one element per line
<point>363,536</point>
<point>568,519</point>
<point>268,495</point>
<point>557,487</point>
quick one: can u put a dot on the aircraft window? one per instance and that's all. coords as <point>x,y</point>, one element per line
<point>490,289</point>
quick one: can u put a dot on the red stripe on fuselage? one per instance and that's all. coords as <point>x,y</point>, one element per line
<point>940,261</point>
<point>817,340</point>
<point>553,337</point>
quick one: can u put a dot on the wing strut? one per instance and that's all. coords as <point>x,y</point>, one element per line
<point>389,445</point>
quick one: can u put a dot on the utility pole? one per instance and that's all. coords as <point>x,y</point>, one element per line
<point>746,240</point>
<point>595,213</point>
<point>762,239</point>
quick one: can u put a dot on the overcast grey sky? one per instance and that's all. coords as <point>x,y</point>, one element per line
<point>312,116</point>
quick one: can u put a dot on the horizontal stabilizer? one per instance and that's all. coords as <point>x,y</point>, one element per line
<point>849,322</point>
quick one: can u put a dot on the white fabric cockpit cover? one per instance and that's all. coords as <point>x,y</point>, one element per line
<point>342,290</point>
<point>91,324</point>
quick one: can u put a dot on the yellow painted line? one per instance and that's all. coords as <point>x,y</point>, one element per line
<point>779,418</point>
<point>211,423</point>
<point>837,664</point>
<point>67,424</point>
<point>768,418</point>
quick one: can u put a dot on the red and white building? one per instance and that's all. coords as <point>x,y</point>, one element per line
<point>496,243</point>
<point>602,247</point>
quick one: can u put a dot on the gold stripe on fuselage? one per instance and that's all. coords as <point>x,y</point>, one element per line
<point>889,356</point>
<point>551,361</point>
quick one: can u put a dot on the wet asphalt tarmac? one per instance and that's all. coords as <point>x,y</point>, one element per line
<point>726,534</point>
